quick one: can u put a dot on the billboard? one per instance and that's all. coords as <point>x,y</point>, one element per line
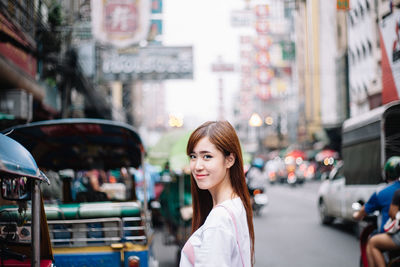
<point>148,63</point>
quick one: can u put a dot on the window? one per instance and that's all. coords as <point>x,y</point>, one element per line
<point>361,10</point>
<point>365,88</point>
<point>364,51</point>
<point>369,46</point>
<point>351,56</point>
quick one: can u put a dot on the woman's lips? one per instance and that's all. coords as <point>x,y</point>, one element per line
<point>200,176</point>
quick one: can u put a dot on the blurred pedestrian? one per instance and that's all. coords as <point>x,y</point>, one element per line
<point>222,226</point>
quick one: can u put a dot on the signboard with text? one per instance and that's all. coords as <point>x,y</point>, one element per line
<point>149,63</point>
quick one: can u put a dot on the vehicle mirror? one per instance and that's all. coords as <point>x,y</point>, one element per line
<point>16,188</point>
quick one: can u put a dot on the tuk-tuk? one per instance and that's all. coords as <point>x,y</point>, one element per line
<point>24,235</point>
<point>96,218</point>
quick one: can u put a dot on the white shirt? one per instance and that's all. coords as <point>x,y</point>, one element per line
<point>215,242</point>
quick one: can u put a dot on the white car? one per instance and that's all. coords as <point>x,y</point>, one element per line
<point>335,198</point>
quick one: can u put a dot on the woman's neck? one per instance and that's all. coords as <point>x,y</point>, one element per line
<point>222,192</point>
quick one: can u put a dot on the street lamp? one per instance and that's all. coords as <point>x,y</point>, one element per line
<point>256,121</point>
<point>269,120</point>
<point>175,121</point>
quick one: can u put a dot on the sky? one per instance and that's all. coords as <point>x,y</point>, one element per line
<point>205,25</point>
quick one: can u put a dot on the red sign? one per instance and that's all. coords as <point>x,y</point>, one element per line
<point>262,58</point>
<point>262,10</point>
<point>264,91</point>
<point>262,26</point>
<point>121,17</point>
<point>263,42</point>
<point>120,22</point>
<point>264,75</point>
<point>65,130</point>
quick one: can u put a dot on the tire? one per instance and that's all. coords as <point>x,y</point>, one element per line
<point>357,229</point>
<point>325,219</point>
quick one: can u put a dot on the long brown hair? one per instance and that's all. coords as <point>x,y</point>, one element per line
<point>223,136</point>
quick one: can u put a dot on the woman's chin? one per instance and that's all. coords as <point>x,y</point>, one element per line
<point>202,186</point>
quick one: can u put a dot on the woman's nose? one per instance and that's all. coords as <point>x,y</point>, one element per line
<point>199,164</point>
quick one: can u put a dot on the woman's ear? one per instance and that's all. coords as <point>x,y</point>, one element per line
<point>230,160</point>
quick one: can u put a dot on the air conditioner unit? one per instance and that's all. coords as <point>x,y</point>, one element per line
<point>16,102</point>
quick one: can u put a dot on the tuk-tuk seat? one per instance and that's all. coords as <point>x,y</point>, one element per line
<point>62,211</point>
<point>108,209</point>
<point>91,210</point>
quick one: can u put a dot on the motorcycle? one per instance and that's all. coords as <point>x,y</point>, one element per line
<point>259,200</point>
<point>368,230</point>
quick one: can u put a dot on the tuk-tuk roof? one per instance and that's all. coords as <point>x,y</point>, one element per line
<point>16,159</point>
<point>80,144</point>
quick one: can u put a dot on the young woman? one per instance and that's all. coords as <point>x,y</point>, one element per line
<point>222,226</point>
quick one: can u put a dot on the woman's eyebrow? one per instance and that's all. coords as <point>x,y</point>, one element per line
<point>202,152</point>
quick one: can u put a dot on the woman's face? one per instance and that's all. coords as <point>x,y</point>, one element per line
<point>209,166</point>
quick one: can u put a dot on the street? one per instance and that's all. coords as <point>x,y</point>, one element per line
<point>289,233</point>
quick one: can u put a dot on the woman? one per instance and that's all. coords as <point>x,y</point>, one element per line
<point>222,226</point>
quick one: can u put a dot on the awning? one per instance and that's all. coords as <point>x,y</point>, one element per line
<point>11,76</point>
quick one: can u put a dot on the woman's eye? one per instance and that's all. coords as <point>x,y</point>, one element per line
<point>207,157</point>
<point>192,156</point>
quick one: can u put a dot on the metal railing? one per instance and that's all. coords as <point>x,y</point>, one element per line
<point>102,231</point>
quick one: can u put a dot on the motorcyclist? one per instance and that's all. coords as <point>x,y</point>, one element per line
<point>381,199</point>
<point>255,176</point>
<point>384,241</point>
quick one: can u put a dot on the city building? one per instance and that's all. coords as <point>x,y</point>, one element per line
<point>365,72</point>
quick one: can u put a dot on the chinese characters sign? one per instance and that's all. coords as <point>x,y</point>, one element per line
<point>121,22</point>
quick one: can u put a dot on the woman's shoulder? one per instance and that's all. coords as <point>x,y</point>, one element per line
<point>221,215</point>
